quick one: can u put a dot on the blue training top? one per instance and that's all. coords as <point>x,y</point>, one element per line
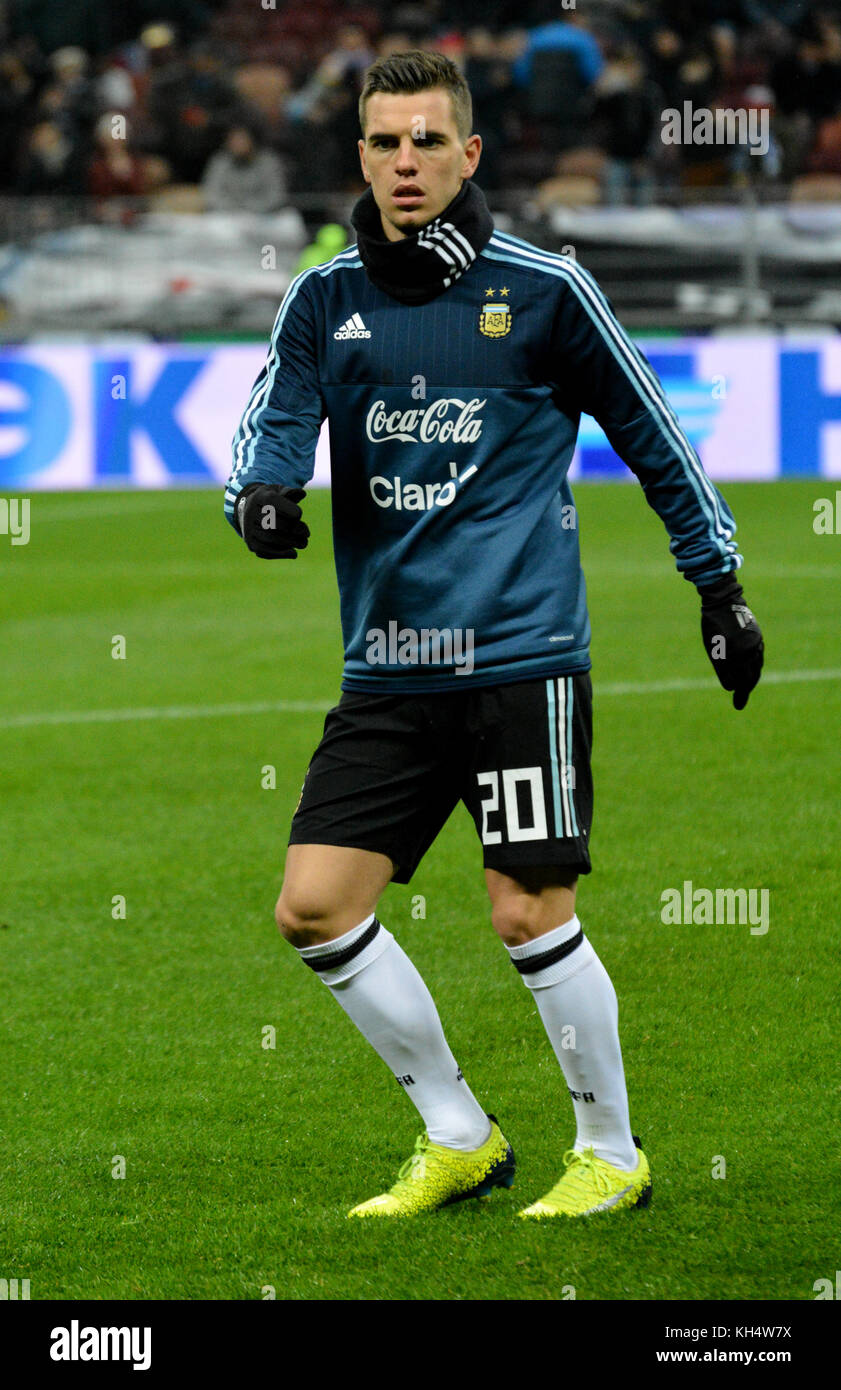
<point>452,427</point>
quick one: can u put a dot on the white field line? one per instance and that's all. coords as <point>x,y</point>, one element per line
<point>110,506</point>
<point>130,716</point>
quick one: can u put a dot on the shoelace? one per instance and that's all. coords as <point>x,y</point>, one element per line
<point>579,1166</point>
<point>415,1165</point>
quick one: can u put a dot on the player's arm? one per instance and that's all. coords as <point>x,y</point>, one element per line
<point>607,376</point>
<point>274,446</point>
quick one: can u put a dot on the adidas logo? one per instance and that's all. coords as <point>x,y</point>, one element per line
<point>352,328</point>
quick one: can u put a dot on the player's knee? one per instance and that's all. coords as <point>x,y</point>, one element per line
<point>529,906</point>
<point>302,920</point>
<point>520,917</point>
<point>514,920</point>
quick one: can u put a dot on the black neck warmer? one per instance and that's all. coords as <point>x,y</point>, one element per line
<point>419,267</point>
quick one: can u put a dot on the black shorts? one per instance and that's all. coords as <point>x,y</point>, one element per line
<point>390,769</point>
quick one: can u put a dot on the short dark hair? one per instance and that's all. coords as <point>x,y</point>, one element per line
<point>418,71</point>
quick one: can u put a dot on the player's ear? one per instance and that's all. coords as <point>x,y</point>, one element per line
<point>472,151</point>
<point>361,147</point>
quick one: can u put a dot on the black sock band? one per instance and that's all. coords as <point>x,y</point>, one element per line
<point>331,959</point>
<point>546,958</point>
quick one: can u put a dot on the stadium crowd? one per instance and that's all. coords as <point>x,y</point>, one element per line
<point>247,102</point>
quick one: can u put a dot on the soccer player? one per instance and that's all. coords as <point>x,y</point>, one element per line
<point>452,363</point>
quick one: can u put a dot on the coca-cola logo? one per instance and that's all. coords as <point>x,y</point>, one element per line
<point>448,420</point>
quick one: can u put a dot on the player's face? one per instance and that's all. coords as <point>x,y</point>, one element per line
<point>413,158</point>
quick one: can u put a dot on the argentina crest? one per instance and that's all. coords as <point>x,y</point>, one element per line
<point>495,319</point>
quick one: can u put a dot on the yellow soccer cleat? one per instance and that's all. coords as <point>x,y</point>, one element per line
<point>590,1184</point>
<point>434,1176</point>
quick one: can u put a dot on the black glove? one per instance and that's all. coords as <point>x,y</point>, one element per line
<point>732,638</point>
<point>269,520</point>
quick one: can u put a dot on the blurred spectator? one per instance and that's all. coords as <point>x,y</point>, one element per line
<point>809,78</point>
<point>190,102</point>
<point>329,241</point>
<point>664,61</point>
<point>543,78</point>
<point>626,118</point>
<point>243,178</point>
<point>698,81</point>
<point>17,97</point>
<point>488,74</point>
<point>331,129</point>
<point>806,81</point>
<point>70,98</point>
<point>576,180</point>
<point>698,77</point>
<point>116,89</point>
<point>825,158</point>
<point>325,109</point>
<point>556,70</point>
<point>740,158</point>
<point>52,163</point>
<point>264,90</point>
<point>343,66</point>
<point>394,41</point>
<point>115,170</point>
<point>566,34</point>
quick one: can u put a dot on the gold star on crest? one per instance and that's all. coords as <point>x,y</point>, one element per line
<point>504,289</point>
<point>488,291</point>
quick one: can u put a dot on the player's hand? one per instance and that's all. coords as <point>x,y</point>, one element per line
<point>732,638</point>
<point>269,520</point>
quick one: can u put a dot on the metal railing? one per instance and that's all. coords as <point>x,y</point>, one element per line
<point>82,265</point>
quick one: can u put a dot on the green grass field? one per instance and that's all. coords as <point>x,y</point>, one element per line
<point>142,1038</point>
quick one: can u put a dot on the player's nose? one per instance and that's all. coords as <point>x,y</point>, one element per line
<point>407,158</point>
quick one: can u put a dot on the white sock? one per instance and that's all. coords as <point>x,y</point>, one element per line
<point>577,1003</point>
<point>381,991</point>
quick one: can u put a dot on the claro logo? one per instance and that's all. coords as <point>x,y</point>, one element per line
<point>446,420</point>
